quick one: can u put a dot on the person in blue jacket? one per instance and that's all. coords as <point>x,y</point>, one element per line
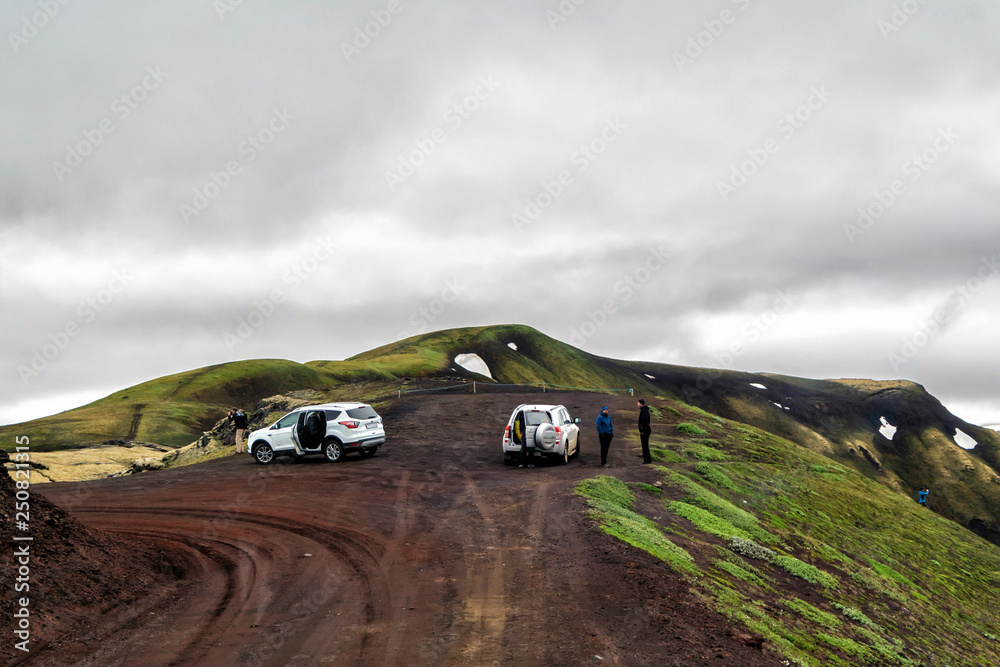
<point>922,496</point>
<point>605,432</point>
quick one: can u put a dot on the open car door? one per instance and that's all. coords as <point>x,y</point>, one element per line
<point>309,431</point>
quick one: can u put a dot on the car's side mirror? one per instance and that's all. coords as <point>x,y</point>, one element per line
<point>576,421</point>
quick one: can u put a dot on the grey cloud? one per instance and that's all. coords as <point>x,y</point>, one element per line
<point>656,183</point>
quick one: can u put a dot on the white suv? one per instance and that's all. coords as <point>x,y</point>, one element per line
<point>549,430</point>
<point>331,429</point>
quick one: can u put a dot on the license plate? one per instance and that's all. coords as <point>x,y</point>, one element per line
<point>372,425</point>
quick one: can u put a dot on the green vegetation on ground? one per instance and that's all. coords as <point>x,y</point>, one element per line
<point>611,503</point>
<point>691,429</point>
<point>861,550</point>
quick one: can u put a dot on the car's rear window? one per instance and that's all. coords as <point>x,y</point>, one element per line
<point>364,412</point>
<point>332,414</point>
<point>536,417</point>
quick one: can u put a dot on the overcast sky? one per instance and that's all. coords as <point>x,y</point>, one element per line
<point>811,184</point>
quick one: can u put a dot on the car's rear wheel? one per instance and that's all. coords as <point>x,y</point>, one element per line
<point>565,456</point>
<point>263,453</point>
<point>333,451</point>
<point>368,453</point>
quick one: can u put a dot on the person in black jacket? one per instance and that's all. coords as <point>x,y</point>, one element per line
<point>240,422</point>
<point>521,436</point>
<point>644,431</point>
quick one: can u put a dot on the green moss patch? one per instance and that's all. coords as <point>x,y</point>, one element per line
<point>691,429</point>
<point>704,453</point>
<point>714,475</point>
<point>705,520</point>
<point>611,503</point>
<point>814,614</point>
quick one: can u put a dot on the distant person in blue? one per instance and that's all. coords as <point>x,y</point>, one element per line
<point>605,432</point>
<point>922,496</point>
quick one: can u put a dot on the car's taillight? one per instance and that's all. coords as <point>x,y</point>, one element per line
<point>349,424</point>
<point>558,431</point>
<point>506,434</point>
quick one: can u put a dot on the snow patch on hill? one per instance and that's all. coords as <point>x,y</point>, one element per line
<point>473,363</point>
<point>887,429</point>
<point>964,440</point>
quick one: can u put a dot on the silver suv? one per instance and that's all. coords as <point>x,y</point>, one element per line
<point>331,429</point>
<point>548,429</point>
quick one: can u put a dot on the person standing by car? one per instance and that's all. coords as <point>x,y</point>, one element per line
<point>521,436</point>
<point>240,422</point>
<point>605,432</point>
<point>644,431</point>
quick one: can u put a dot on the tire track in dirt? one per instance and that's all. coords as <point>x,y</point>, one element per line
<point>484,606</point>
<point>233,579</point>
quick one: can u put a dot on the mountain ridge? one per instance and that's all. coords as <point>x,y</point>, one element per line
<point>838,418</point>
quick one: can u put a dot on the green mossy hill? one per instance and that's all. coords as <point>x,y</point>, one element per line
<point>176,409</point>
<point>839,419</point>
<point>830,566</point>
<point>172,410</point>
<point>537,358</point>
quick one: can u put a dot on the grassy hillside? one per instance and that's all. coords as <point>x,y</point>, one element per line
<point>171,410</point>
<point>829,566</point>
<point>537,358</point>
<point>176,409</point>
<point>841,419</point>
<point>838,419</point>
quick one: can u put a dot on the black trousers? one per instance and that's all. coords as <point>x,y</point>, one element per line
<point>605,444</point>
<point>527,453</point>
<point>644,437</point>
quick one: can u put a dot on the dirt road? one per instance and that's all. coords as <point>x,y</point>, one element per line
<point>431,553</point>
